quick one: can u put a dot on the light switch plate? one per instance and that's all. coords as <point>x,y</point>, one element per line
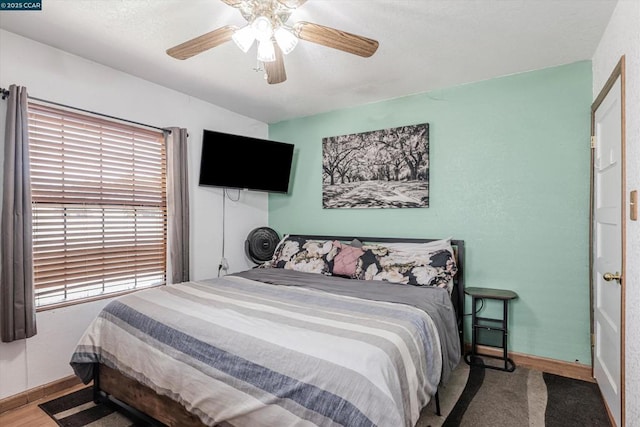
<point>633,205</point>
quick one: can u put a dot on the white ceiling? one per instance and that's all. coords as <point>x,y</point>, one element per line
<point>424,45</point>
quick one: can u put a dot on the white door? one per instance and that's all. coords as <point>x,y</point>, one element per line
<point>607,247</point>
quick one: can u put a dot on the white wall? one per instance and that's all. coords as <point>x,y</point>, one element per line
<point>58,76</point>
<point>622,37</point>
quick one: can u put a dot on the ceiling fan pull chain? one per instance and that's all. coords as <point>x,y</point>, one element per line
<point>259,66</point>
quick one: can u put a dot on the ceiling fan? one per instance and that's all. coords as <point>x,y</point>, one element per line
<point>267,25</point>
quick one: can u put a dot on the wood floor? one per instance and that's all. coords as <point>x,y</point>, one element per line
<point>31,415</point>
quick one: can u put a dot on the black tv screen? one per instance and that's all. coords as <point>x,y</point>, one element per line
<point>234,161</point>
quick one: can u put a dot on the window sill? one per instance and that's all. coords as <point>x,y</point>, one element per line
<point>92,299</point>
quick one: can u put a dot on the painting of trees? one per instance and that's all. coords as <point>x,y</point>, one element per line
<point>387,168</point>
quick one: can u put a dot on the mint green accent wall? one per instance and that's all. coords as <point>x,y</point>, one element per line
<point>509,175</point>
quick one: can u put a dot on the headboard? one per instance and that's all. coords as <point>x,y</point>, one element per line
<point>457,295</point>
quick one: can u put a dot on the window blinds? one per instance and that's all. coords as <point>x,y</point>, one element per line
<point>99,205</point>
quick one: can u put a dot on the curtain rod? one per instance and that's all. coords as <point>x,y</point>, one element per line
<point>5,94</point>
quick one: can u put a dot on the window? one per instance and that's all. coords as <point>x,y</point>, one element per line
<point>99,206</point>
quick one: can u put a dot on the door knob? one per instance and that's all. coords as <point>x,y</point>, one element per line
<point>610,276</point>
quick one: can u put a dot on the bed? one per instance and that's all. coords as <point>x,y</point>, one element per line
<point>306,340</point>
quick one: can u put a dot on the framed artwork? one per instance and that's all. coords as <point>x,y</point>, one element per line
<point>386,168</point>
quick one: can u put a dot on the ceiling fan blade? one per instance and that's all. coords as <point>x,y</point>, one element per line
<point>204,42</point>
<point>336,39</point>
<point>275,70</point>
<point>291,4</point>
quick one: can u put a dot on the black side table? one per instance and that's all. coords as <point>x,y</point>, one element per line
<point>479,324</point>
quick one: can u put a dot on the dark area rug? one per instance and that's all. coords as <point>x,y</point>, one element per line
<point>579,401</point>
<point>77,409</point>
<point>473,397</point>
<point>480,397</point>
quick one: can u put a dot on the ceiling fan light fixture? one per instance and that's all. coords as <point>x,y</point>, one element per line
<point>266,51</point>
<point>244,38</point>
<point>263,28</point>
<point>285,39</point>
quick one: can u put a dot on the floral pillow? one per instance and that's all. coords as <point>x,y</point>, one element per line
<point>300,254</point>
<point>420,268</point>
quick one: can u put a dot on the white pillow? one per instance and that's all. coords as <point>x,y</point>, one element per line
<point>421,247</point>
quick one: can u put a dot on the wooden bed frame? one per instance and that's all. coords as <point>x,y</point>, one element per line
<point>143,403</point>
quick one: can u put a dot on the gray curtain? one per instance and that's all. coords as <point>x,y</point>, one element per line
<point>178,204</point>
<point>17,304</point>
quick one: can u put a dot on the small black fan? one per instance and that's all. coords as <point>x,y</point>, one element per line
<point>261,244</point>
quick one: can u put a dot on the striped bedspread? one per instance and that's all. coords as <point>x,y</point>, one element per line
<point>245,353</point>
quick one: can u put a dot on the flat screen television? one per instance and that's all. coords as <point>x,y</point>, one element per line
<point>234,161</point>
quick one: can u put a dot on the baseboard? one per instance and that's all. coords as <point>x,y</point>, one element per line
<point>576,371</point>
<point>30,396</point>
